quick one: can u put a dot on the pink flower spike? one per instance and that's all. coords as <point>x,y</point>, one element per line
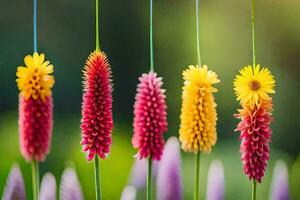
<point>255,137</point>
<point>97,121</point>
<point>35,127</point>
<point>150,117</point>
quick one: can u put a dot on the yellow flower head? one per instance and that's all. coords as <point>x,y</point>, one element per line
<point>34,80</point>
<point>198,112</point>
<point>253,85</point>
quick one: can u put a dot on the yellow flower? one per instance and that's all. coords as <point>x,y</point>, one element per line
<point>34,80</point>
<point>198,112</point>
<point>253,85</point>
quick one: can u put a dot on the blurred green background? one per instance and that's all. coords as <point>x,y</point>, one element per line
<point>66,35</point>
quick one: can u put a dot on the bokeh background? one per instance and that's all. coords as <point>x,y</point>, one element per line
<point>66,35</point>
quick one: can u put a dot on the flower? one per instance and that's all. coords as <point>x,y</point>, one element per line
<point>129,193</point>
<point>255,137</point>
<point>70,188</point>
<point>215,181</point>
<point>198,112</point>
<point>150,117</point>
<point>280,183</point>
<point>169,181</point>
<point>14,188</point>
<point>253,85</point>
<point>252,88</point>
<point>97,119</point>
<point>35,107</point>
<point>34,80</point>
<point>48,187</point>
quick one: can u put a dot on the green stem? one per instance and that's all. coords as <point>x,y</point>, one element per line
<point>253,32</point>
<point>97,178</point>
<point>197,177</point>
<point>149,179</point>
<point>253,190</point>
<point>97,26</point>
<point>35,26</point>
<point>35,179</point>
<point>151,39</point>
<point>198,33</point>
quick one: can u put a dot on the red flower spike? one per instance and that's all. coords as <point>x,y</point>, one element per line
<point>97,120</point>
<point>35,127</point>
<point>255,137</point>
<point>150,117</point>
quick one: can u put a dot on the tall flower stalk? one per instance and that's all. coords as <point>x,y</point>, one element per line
<point>198,113</point>
<point>150,116</point>
<point>35,82</point>
<point>97,121</point>
<point>252,88</point>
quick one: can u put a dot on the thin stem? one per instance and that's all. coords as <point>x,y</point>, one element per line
<point>253,190</point>
<point>149,179</point>
<point>97,178</point>
<point>253,32</point>
<point>151,39</point>
<point>35,179</point>
<point>198,33</point>
<point>34,25</point>
<point>97,26</point>
<point>197,177</point>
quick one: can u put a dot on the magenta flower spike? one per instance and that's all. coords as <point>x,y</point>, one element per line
<point>169,180</point>
<point>48,187</point>
<point>215,181</point>
<point>14,188</point>
<point>97,120</point>
<point>150,117</point>
<point>280,186</point>
<point>70,188</point>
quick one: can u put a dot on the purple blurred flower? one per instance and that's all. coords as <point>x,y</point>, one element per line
<point>280,186</point>
<point>14,188</point>
<point>169,181</point>
<point>215,181</point>
<point>129,193</point>
<point>138,175</point>
<point>48,187</point>
<point>70,188</point>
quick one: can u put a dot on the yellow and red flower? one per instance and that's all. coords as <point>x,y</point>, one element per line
<point>35,81</point>
<point>97,119</point>
<point>252,87</point>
